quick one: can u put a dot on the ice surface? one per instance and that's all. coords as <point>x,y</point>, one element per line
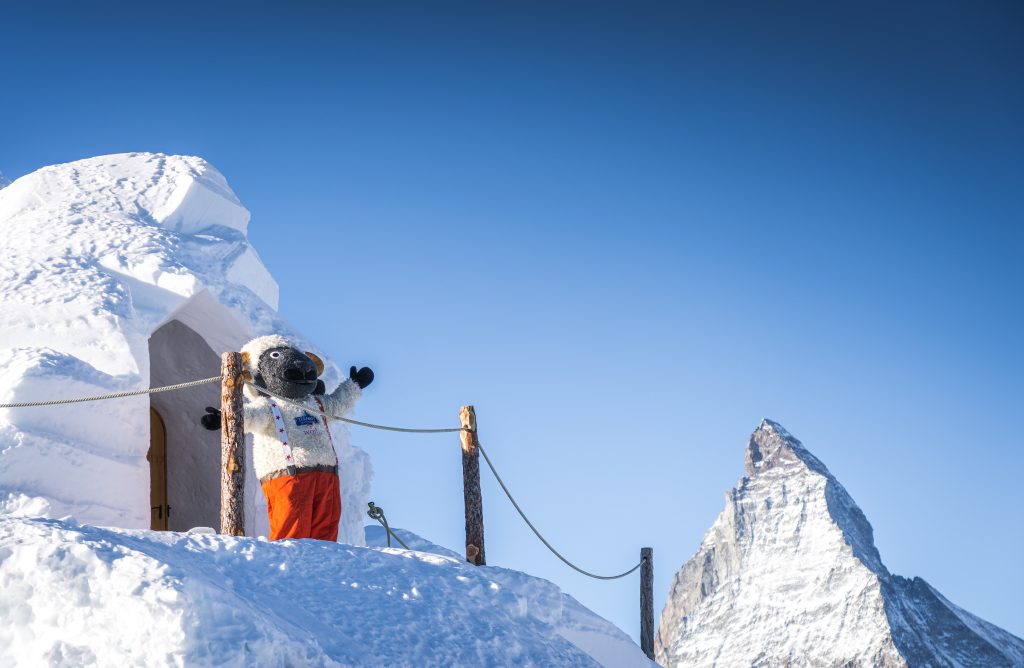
<point>788,574</point>
<point>80,595</point>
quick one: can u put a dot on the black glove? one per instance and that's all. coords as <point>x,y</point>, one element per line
<point>363,377</point>
<point>212,419</point>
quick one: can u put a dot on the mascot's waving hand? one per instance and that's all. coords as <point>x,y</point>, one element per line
<point>293,454</point>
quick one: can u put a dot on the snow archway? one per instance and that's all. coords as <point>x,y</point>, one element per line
<point>188,346</point>
<point>178,354</point>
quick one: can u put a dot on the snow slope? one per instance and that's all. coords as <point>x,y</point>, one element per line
<point>78,595</point>
<point>95,257</point>
<point>788,574</point>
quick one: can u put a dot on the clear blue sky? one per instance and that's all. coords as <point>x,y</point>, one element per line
<point>626,232</point>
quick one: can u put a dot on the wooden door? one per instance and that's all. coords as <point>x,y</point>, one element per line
<point>157,458</point>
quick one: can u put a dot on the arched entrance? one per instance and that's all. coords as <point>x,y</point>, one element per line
<point>178,354</point>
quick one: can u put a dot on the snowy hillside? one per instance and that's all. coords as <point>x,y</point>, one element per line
<point>75,595</point>
<point>789,575</point>
<point>124,272</point>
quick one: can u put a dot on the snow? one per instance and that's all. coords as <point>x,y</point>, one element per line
<point>97,258</point>
<point>789,571</point>
<point>132,271</point>
<point>604,641</point>
<point>81,595</point>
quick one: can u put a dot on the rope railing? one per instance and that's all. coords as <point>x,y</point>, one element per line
<point>300,404</point>
<point>295,402</point>
<point>205,381</point>
<point>538,533</point>
<point>115,395</point>
<point>376,512</point>
<point>487,459</point>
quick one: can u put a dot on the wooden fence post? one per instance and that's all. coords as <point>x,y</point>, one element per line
<point>471,488</point>
<point>647,601</point>
<point>232,446</point>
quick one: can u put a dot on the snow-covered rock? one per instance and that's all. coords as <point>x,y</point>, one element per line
<point>77,595</point>
<point>118,273</point>
<point>788,575</point>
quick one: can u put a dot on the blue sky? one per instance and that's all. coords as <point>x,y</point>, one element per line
<point>626,232</point>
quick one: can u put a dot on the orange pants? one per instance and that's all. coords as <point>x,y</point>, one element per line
<point>307,505</point>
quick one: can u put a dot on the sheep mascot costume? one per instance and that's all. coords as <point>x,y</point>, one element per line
<point>293,454</point>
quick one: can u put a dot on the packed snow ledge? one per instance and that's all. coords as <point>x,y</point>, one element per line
<point>79,595</point>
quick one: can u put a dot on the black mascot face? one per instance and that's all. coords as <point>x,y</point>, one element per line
<point>288,372</point>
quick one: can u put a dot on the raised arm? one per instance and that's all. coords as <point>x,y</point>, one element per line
<point>343,398</point>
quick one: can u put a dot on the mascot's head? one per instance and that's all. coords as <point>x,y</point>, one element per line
<point>276,364</point>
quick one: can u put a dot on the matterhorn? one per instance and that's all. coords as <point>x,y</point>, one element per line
<point>788,575</point>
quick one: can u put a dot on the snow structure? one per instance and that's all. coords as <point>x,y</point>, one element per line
<point>125,272</point>
<point>132,271</point>
<point>788,575</point>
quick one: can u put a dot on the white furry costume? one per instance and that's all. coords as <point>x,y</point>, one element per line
<point>307,435</point>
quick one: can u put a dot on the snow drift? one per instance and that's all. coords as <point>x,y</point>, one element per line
<point>84,596</point>
<point>124,272</point>
<point>789,575</point>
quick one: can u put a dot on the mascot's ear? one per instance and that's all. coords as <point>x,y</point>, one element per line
<point>318,362</point>
<point>245,362</point>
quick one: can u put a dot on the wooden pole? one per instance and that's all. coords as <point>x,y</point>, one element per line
<point>647,601</point>
<point>471,488</point>
<point>232,446</point>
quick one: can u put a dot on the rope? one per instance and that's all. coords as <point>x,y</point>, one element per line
<point>538,534</point>
<point>371,513</point>
<point>377,513</point>
<point>294,402</point>
<point>116,395</point>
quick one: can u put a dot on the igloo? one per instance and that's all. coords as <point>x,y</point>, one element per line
<point>125,272</point>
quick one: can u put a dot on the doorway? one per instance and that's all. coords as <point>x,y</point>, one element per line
<point>192,453</point>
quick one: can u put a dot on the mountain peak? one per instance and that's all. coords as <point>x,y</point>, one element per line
<point>771,445</point>
<point>790,569</point>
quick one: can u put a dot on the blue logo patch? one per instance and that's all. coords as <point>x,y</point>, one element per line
<point>305,419</point>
